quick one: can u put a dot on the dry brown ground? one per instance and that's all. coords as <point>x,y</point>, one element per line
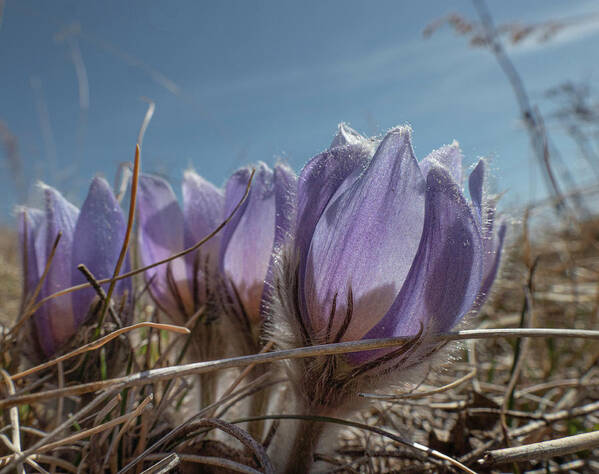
<point>10,279</point>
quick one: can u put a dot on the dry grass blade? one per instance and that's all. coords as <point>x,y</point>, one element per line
<point>188,424</point>
<point>244,373</point>
<point>99,291</point>
<point>82,434</point>
<point>543,450</point>
<point>166,373</point>
<point>555,417</point>
<point>111,405</point>
<point>456,383</point>
<point>146,121</point>
<point>77,416</point>
<point>91,346</point>
<point>14,420</point>
<point>165,465</point>
<point>115,440</point>
<point>125,247</point>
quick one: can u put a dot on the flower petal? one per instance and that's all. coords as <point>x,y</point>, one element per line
<point>492,248</point>
<point>29,223</point>
<point>285,200</point>
<point>476,183</point>
<point>61,216</point>
<point>203,206</point>
<point>161,234</point>
<point>248,239</point>
<point>448,156</point>
<point>366,240</point>
<point>99,235</point>
<point>446,274</point>
<point>203,209</point>
<point>285,205</point>
<point>319,180</point>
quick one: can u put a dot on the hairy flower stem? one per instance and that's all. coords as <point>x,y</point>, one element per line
<point>259,404</point>
<point>307,436</point>
<point>207,390</point>
<point>207,346</point>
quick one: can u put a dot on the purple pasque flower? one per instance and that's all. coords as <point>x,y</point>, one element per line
<point>260,225</point>
<point>383,246</point>
<point>92,236</point>
<point>182,286</point>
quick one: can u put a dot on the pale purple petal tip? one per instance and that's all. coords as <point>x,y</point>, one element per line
<point>29,224</point>
<point>366,240</point>
<point>203,211</point>
<point>161,234</point>
<point>61,216</point>
<point>476,183</point>
<point>285,200</point>
<point>203,208</point>
<point>493,246</point>
<point>448,156</point>
<point>98,239</point>
<point>248,239</point>
<point>285,204</point>
<point>31,228</point>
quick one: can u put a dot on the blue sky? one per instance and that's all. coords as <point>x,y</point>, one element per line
<point>235,82</point>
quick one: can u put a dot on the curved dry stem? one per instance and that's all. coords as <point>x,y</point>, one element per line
<point>419,448</point>
<point>542,450</point>
<point>125,247</point>
<point>166,373</point>
<point>99,343</point>
<point>444,388</point>
<point>208,460</point>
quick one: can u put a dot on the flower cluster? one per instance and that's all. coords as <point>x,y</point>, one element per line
<point>367,242</point>
<point>228,273</point>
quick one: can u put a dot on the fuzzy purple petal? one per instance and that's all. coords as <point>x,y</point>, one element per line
<point>285,202</point>
<point>29,223</point>
<point>285,205</point>
<point>99,236</point>
<point>57,313</point>
<point>203,209</point>
<point>492,247</point>
<point>248,239</point>
<point>161,234</point>
<point>366,240</point>
<point>319,180</point>
<point>445,277</point>
<point>448,156</point>
<point>476,183</point>
<point>203,206</point>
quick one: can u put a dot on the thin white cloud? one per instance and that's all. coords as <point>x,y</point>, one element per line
<point>399,60</point>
